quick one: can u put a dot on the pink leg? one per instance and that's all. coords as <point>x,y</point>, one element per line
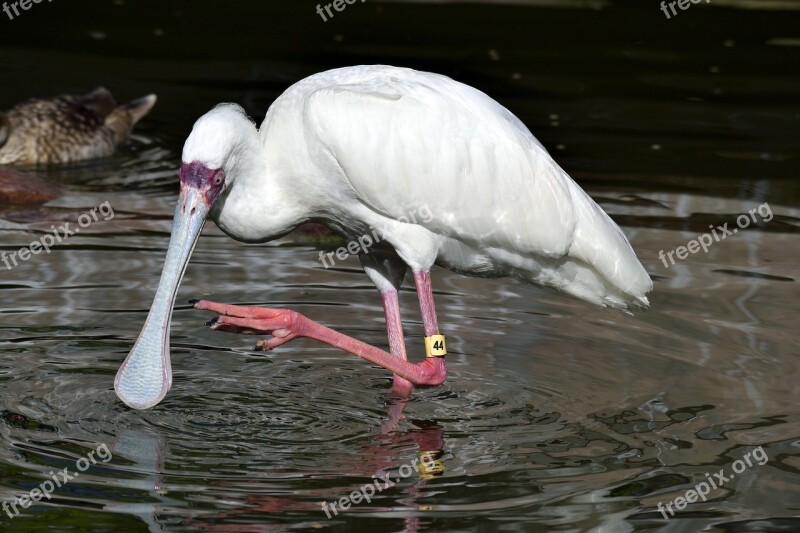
<point>285,325</point>
<point>401,388</point>
<point>397,344</point>
<point>422,279</point>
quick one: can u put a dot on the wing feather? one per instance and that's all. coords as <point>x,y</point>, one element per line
<point>404,139</point>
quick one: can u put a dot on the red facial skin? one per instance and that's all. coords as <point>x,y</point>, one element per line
<point>210,181</point>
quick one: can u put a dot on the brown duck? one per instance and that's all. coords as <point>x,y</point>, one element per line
<point>61,130</point>
<point>68,128</point>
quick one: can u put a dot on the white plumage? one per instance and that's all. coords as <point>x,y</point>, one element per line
<point>365,149</point>
<point>360,147</point>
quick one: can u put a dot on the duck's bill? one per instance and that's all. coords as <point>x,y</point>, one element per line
<point>145,376</point>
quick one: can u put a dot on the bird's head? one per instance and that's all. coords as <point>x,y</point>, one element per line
<point>214,152</point>
<point>213,156</point>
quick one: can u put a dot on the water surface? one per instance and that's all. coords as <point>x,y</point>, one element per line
<point>556,415</point>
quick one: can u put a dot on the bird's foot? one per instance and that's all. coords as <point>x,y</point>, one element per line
<point>283,324</point>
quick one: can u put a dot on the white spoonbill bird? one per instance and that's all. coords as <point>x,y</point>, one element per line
<point>364,147</point>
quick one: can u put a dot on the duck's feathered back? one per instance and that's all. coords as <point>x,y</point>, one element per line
<point>68,128</point>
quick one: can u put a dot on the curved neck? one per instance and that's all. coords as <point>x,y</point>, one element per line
<point>262,202</point>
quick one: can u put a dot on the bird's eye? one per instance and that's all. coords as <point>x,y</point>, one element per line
<point>218,180</point>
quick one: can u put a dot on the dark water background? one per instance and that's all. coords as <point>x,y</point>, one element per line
<point>556,415</point>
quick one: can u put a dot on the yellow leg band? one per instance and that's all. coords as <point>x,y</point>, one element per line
<point>435,346</point>
<point>430,464</point>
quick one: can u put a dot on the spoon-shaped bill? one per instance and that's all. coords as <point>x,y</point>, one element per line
<point>146,374</point>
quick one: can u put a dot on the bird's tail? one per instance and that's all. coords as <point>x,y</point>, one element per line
<point>140,107</point>
<point>124,117</point>
<point>599,244</point>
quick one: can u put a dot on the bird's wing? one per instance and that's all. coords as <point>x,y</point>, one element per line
<point>427,140</point>
<point>419,139</point>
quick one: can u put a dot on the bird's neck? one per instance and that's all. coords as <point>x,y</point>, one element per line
<point>261,203</point>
